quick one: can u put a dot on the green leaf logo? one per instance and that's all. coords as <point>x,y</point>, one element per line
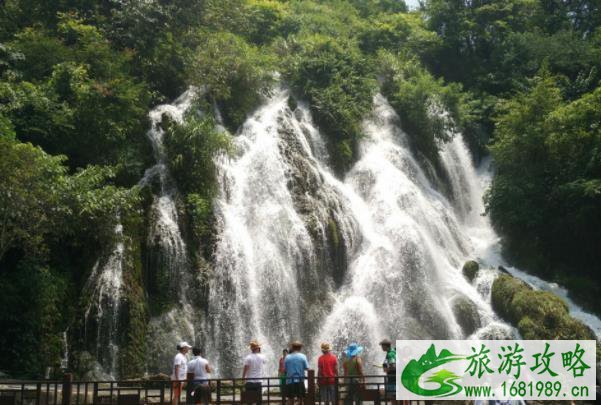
<point>430,360</point>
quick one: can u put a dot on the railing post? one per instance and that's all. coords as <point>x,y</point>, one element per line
<point>95,394</point>
<point>67,388</point>
<point>162,394</point>
<point>219,391</point>
<point>38,394</point>
<point>311,386</point>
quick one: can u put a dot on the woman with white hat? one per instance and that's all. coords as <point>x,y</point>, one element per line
<point>180,368</point>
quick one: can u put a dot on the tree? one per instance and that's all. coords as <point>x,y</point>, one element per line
<point>30,181</point>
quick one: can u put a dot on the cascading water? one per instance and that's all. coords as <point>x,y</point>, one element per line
<point>402,241</point>
<point>266,258</point>
<point>104,288</point>
<point>165,235</point>
<point>301,254</point>
<point>168,258</point>
<point>487,246</point>
<point>404,281</point>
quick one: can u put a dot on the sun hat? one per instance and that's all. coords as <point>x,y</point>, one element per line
<point>353,349</point>
<point>326,347</point>
<point>296,344</point>
<point>254,344</point>
<point>181,345</point>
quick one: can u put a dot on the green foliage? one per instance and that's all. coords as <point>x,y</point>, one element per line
<point>398,32</point>
<point>132,356</point>
<point>422,103</point>
<point>191,148</point>
<point>31,337</point>
<point>332,18</point>
<point>494,48</point>
<point>339,83</point>
<point>547,159</point>
<point>78,77</point>
<point>536,314</point>
<point>73,97</point>
<point>30,182</point>
<point>41,201</point>
<point>234,72</point>
<point>267,19</point>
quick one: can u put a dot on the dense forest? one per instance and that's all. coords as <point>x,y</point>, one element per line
<point>521,79</point>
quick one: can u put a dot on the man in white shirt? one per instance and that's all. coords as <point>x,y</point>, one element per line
<point>201,391</point>
<point>179,371</point>
<point>253,371</point>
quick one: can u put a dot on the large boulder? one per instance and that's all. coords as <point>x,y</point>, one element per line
<point>466,314</point>
<point>470,269</point>
<point>536,314</point>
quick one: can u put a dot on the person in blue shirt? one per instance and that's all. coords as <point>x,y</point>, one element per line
<point>295,366</point>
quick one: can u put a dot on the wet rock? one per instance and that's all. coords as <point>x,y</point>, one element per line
<point>470,269</point>
<point>536,314</point>
<point>466,315</point>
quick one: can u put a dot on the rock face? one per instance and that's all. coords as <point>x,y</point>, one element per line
<point>470,269</point>
<point>536,314</point>
<point>329,225</point>
<point>466,314</point>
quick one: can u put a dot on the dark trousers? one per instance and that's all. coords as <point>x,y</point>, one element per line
<point>254,389</point>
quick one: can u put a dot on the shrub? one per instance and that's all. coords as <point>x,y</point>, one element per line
<point>234,72</point>
<point>339,83</point>
<point>429,110</point>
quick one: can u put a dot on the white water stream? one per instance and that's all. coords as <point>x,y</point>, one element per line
<point>301,254</point>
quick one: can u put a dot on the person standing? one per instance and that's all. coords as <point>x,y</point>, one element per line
<point>253,370</point>
<point>179,371</point>
<point>353,373</point>
<point>389,366</point>
<point>295,365</point>
<point>201,391</point>
<point>327,371</point>
<point>282,371</point>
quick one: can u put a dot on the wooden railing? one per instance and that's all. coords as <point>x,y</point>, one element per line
<point>372,389</point>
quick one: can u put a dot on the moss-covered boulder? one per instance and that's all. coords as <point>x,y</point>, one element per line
<point>536,314</point>
<point>466,314</point>
<point>470,269</point>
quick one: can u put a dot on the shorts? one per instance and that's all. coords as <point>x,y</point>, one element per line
<point>295,390</point>
<point>327,393</point>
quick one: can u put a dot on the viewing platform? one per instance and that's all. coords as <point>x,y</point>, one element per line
<point>371,390</point>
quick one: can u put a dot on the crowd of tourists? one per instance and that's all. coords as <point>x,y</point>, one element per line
<point>292,369</point>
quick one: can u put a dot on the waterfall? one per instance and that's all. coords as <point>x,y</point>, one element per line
<point>168,260</point>
<point>405,280</point>
<point>472,184</point>
<point>103,289</point>
<point>165,236</point>
<point>302,254</point>
<point>267,256</point>
<point>402,240</point>
<point>168,257</point>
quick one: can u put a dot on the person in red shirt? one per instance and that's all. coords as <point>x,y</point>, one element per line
<point>327,371</point>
